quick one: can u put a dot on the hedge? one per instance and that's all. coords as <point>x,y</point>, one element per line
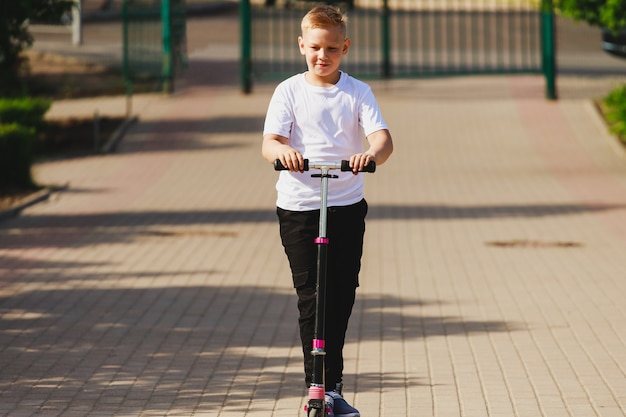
<point>16,155</point>
<point>20,121</point>
<point>24,111</point>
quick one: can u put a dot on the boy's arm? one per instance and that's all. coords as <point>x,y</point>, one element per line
<point>277,147</point>
<point>381,146</point>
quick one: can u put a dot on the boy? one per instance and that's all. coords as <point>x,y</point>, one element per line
<point>321,115</point>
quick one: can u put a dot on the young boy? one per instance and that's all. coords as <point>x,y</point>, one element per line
<point>322,115</point>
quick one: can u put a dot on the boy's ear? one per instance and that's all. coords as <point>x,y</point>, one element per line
<point>301,45</point>
<point>346,46</point>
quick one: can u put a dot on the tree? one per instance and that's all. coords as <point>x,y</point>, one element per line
<point>610,14</point>
<point>15,36</point>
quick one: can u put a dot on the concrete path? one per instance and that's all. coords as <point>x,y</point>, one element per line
<point>492,283</point>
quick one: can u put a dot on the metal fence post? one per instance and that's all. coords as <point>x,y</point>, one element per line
<point>245,64</point>
<point>548,52</point>
<point>166,22</point>
<point>125,59</point>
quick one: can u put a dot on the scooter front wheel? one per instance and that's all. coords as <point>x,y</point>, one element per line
<point>314,412</point>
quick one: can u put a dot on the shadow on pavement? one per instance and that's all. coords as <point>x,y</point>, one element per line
<point>188,135</point>
<point>63,230</point>
<point>165,347</point>
<point>444,212</point>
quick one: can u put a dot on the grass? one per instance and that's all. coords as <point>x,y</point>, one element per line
<point>614,110</point>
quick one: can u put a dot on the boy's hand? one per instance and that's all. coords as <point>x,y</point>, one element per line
<point>292,159</point>
<point>277,147</point>
<point>359,161</point>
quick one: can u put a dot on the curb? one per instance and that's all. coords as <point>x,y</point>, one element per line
<point>32,199</point>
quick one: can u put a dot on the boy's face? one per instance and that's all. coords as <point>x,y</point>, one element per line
<point>323,49</point>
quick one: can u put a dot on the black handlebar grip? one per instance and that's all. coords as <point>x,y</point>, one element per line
<point>278,166</point>
<point>371,167</point>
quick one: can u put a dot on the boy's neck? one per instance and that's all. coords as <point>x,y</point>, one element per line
<point>322,82</point>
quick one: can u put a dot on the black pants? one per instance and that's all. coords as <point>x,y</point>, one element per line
<point>345,230</point>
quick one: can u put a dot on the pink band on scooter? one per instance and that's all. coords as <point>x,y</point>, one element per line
<point>322,240</point>
<point>318,344</point>
<point>316,393</point>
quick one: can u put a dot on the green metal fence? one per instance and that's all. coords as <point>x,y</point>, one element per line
<point>407,38</point>
<point>154,40</point>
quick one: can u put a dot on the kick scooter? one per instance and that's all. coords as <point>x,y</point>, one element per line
<point>316,406</point>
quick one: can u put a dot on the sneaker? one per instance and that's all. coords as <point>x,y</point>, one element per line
<point>330,404</point>
<point>341,408</point>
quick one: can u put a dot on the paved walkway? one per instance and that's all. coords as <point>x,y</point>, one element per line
<point>492,284</point>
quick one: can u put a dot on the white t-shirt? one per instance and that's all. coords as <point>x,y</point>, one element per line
<point>324,124</point>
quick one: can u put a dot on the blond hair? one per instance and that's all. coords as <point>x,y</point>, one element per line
<point>325,16</point>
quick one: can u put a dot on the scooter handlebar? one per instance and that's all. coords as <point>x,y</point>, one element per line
<point>343,166</point>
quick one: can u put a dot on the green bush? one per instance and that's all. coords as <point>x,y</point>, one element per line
<point>16,155</point>
<point>615,104</point>
<point>21,119</point>
<point>25,111</point>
